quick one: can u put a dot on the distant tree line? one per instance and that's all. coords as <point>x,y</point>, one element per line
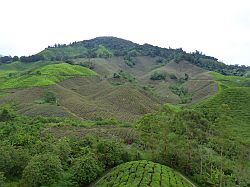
<point>32,58</point>
<point>8,59</point>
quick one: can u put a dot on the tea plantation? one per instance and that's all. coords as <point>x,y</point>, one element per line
<point>142,173</point>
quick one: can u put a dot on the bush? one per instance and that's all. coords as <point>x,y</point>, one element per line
<point>13,161</point>
<point>158,75</point>
<point>2,179</point>
<point>50,98</point>
<point>111,153</point>
<point>43,169</point>
<point>130,63</point>
<point>5,115</point>
<point>64,151</point>
<point>85,170</point>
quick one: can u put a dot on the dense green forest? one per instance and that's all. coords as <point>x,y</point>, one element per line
<point>109,112</point>
<point>184,139</point>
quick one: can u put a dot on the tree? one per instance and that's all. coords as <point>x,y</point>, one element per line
<point>111,153</point>
<point>5,115</point>
<point>2,179</point>
<point>15,58</point>
<point>42,170</point>
<point>13,160</point>
<point>158,75</point>
<point>85,169</point>
<point>6,59</point>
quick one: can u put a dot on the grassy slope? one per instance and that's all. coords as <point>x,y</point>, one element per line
<point>64,51</point>
<point>143,173</point>
<point>50,74</point>
<point>93,97</point>
<point>17,67</point>
<point>235,93</point>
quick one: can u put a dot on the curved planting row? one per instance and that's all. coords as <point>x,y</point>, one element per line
<point>142,173</point>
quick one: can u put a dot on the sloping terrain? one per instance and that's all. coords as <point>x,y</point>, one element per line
<point>143,173</point>
<point>233,101</point>
<point>86,98</point>
<point>127,98</point>
<point>46,75</point>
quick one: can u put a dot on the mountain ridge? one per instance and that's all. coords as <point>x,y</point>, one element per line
<point>107,46</point>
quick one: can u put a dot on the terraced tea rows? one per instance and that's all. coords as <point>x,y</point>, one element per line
<point>46,75</point>
<point>142,173</point>
<point>234,95</point>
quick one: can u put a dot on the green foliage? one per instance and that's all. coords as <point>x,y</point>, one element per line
<point>5,115</point>
<point>64,53</point>
<point>125,76</point>
<point>49,74</point>
<point>103,52</point>
<point>142,173</point>
<point>247,74</point>
<point>50,97</point>
<point>64,151</point>
<point>130,63</point>
<point>85,170</point>
<point>13,160</point>
<point>182,92</point>
<point>200,147</point>
<point>2,179</point>
<point>158,75</point>
<point>111,153</point>
<point>42,170</point>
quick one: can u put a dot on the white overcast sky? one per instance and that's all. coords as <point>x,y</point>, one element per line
<point>219,28</point>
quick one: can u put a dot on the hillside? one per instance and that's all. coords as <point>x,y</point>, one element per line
<point>104,94</point>
<point>233,101</point>
<point>45,75</point>
<point>110,112</point>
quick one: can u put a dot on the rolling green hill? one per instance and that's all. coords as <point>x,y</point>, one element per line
<point>46,75</point>
<point>232,100</point>
<point>143,173</point>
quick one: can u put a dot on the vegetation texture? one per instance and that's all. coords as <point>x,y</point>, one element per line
<point>110,112</point>
<point>143,173</point>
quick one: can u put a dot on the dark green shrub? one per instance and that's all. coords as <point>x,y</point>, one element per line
<point>42,170</point>
<point>2,179</point>
<point>50,97</point>
<point>130,63</point>
<point>158,75</point>
<point>5,115</point>
<point>111,153</point>
<point>13,160</point>
<point>85,170</point>
<point>116,76</point>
